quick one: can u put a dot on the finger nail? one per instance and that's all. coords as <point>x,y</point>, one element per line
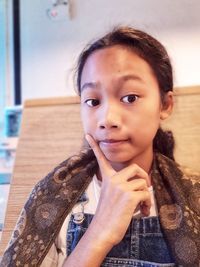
<point>86,136</point>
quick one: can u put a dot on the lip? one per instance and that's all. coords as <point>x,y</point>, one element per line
<point>112,142</point>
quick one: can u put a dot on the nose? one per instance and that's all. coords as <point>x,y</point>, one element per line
<point>109,117</point>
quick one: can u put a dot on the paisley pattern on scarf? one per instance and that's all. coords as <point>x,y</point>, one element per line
<point>171,216</point>
<point>177,196</point>
<point>178,200</point>
<point>20,226</point>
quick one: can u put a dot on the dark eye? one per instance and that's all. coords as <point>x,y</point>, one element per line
<point>129,98</point>
<point>92,102</point>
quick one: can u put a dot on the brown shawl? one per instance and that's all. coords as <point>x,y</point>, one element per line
<point>177,195</point>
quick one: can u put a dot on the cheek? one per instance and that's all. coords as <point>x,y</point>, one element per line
<point>87,122</point>
<point>152,122</point>
<point>152,111</point>
<point>84,120</point>
<point>147,122</point>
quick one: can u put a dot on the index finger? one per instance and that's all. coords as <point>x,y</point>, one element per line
<point>104,164</point>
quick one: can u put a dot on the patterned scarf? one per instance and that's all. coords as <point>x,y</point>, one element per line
<point>178,202</point>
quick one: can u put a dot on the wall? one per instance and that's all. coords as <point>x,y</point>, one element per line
<point>2,62</point>
<point>6,59</point>
<point>50,48</point>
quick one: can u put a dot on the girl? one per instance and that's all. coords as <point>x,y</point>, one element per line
<point>128,202</point>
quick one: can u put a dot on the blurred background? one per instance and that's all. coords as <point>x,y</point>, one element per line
<point>40,41</point>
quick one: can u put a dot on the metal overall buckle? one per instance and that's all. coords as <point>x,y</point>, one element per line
<point>79,217</point>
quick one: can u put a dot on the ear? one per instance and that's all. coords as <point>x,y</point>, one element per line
<point>167,105</point>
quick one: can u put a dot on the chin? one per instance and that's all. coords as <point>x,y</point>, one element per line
<point>118,157</point>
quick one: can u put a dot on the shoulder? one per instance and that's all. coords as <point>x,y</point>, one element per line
<point>183,176</point>
<point>182,181</point>
<point>189,174</point>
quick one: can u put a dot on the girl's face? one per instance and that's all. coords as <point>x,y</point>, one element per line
<point>120,105</point>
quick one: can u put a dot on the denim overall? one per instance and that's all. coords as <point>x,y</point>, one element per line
<point>142,246</point>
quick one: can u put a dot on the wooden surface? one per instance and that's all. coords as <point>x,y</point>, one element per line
<point>51,131</point>
<point>185,124</point>
<point>49,134</point>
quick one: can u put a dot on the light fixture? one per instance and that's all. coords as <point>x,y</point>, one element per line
<point>60,10</point>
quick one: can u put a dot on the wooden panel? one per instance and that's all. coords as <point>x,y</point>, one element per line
<point>185,124</point>
<point>49,134</point>
<point>51,131</point>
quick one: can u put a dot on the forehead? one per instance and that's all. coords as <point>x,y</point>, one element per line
<point>112,62</point>
<point>118,54</point>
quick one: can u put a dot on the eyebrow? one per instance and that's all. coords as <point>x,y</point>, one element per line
<point>130,77</point>
<point>92,85</point>
<point>124,78</point>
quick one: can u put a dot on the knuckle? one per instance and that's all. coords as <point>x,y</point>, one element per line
<point>143,182</point>
<point>135,166</point>
<point>147,194</point>
<point>128,196</point>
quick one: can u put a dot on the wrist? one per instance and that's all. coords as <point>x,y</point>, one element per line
<point>91,250</point>
<point>99,236</point>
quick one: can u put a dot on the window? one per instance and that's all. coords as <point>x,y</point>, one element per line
<point>2,62</point>
<point>6,97</point>
<point>6,60</point>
